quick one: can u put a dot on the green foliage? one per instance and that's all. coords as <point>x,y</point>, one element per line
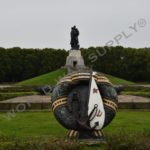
<point>128,141</point>
<point>121,141</point>
<point>127,63</point>
<point>18,64</point>
<point>14,143</point>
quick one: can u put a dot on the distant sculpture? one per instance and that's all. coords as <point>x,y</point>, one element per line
<point>74,38</point>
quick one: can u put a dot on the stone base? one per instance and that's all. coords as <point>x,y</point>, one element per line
<point>86,137</point>
<point>75,61</point>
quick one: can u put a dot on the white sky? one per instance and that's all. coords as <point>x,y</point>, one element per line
<point>47,23</point>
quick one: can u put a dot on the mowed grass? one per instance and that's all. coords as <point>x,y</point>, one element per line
<point>53,77</point>
<point>33,124</point>
<point>40,131</point>
<point>46,79</point>
<point>116,80</point>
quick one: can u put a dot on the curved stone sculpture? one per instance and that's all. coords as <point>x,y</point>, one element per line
<point>70,103</point>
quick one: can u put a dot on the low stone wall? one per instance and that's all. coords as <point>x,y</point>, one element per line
<point>134,105</point>
<point>21,107</point>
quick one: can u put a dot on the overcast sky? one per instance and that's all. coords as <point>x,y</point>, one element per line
<point>47,23</point>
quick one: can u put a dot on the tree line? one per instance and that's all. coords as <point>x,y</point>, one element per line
<point>127,63</point>
<point>18,64</point>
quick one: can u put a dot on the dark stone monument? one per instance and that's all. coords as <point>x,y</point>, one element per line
<point>75,60</point>
<point>83,101</point>
<point>74,38</point>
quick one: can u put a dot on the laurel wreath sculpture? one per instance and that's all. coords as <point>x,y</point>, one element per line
<point>70,102</point>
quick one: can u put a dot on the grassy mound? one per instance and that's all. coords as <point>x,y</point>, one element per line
<point>47,79</point>
<point>52,78</point>
<point>116,80</point>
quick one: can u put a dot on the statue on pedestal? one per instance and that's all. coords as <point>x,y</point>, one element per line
<point>84,101</point>
<point>74,38</point>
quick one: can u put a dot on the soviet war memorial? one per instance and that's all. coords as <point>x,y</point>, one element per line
<point>74,75</point>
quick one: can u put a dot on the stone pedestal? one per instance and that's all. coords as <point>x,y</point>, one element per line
<point>87,137</point>
<point>75,61</point>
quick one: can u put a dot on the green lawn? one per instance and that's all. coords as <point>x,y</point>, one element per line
<point>52,78</point>
<point>116,80</point>
<point>47,79</point>
<point>40,131</point>
<point>44,123</point>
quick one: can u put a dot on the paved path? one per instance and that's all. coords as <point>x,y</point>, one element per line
<point>134,99</point>
<point>29,99</point>
<point>47,99</point>
<point>142,85</point>
<point>4,86</point>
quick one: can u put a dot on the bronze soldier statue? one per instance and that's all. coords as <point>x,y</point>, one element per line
<point>74,39</point>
